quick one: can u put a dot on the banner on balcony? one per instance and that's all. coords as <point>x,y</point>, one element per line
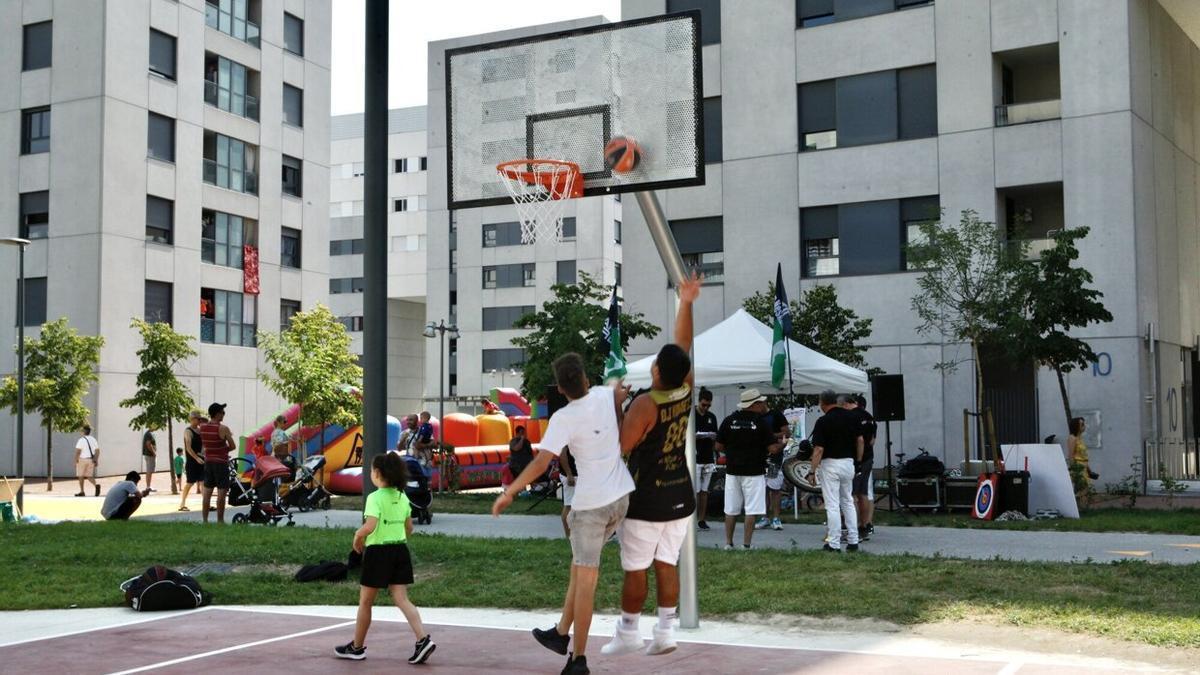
<point>250,270</point>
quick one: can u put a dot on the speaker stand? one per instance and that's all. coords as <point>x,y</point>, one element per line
<point>887,436</point>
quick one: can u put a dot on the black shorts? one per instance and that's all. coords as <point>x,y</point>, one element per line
<point>194,472</point>
<point>862,481</point>
<point>386,564</point>
<point>216,476</point>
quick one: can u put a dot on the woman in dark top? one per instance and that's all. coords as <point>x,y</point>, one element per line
<point>194,456</point>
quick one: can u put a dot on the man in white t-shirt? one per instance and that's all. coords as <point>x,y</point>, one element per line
<point>590,424</point>
<point>87,456</point>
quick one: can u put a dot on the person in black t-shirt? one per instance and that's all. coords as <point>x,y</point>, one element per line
<point>863,490</point>
<point>778,424</point>
<point>746,441</point>
<point>706,457</point>
<point>837,447</point>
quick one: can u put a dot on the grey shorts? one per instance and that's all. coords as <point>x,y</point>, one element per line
<point>591,528</point>
<point>151,463</point>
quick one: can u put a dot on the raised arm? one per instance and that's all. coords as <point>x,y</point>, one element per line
<point>637,423</point>
<point>689,290</point>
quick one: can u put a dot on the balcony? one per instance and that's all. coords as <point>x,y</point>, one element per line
<point>222,176</point>
<point>1032,248</point>
<point>220,97</point>
<point>222,17</point>
<point>1024,113</point>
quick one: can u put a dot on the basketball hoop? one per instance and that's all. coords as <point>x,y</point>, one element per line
<point>540,188</point>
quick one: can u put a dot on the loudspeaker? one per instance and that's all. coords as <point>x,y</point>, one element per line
<point>554,400</point>
<point>887,396</point>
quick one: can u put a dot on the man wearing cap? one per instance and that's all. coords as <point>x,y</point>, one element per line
<point>837,447</point>
<point>218,442</point>
<point>746,439</point>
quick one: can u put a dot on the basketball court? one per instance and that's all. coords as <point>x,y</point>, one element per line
<point>301,640</point>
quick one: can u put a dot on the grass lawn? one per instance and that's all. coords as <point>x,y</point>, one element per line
<point>81,564</point>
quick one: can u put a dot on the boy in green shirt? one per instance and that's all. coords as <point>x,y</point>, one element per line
<point>177,465</point>
<point>387,522</point>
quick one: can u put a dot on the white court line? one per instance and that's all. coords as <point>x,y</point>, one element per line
<point>193,657</point>
<point>131,622</point>
<point>1011,668</point>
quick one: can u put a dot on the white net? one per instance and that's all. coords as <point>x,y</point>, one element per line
<point>540,190</point>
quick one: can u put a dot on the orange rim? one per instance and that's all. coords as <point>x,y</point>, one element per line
<point>556,182</point>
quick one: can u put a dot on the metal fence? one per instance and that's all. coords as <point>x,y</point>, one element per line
<point>1180,457</point>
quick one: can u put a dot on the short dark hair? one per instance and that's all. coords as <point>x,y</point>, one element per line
<point>705,395</point>
<point>829,397</point>
<point>133,476</point>
<point>570,375</point>
<point>674,364</point>
<point>520,430</point>
<point>87,429</point>
<point>392,468</point>
<point>1076,426</point>
<point>862,401</point>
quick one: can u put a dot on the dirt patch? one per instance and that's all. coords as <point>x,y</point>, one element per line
<point>827,624</point>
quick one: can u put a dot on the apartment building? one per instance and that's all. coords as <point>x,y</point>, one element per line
<point>169,160</point>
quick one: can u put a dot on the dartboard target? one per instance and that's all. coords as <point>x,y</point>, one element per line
<point>985,498</point>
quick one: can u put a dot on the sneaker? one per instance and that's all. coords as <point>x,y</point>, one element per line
<point>97,490</point>
<point>852,548</point>
<point>422,650</point>
<point>576,665</point>
<point>551,639</point>
<point>831,549</point>
<point>727,547</point>
<point>623,642</point>
<point>663,642</point>
<point>703,524</point>
<point>79,494</point>
<point>864,533</point>
<point>762,523</point>
<point>776,524</point>
<point>870,528</point>
<point>747,547</point>
<point>349,651</point>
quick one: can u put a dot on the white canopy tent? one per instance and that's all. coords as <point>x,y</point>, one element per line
<point>736,354</point>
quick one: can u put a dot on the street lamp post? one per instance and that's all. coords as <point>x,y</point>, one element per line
<point>439,331</point>
<point>20,450</point>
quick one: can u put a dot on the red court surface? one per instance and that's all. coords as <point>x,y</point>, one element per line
<point>217,640</point>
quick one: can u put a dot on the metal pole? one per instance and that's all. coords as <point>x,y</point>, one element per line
<point>21,379</point>
<point>664,241</point>
<point>442,479</point>
<point>375,205</point>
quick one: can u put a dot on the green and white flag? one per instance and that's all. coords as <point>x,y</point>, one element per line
<point>783,328</point>
<point>610,342</point>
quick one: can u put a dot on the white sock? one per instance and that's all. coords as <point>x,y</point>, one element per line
<point>666,617</point>
<point>629,621</point>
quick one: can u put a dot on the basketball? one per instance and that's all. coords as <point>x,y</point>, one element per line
<point>622,154</point>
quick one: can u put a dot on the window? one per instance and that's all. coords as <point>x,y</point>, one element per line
<point>35,300</point>
<point>346,285</point>
<point>353,324</point>
<point>399,205</point>
<point>159,302</point>
<point>232,17</point>
<point>36,46</point>
<point>565,272</point>
<point>617,273</point>
<point>811,13</point>
<point>504,318</point>
<point>503,234</point>
<point>424,164</point>
<point>287,309</point>
<point>293,34</point>
<point>528,274</point>
<point>862,238</point>
<point>568,228</point>
<point>222,237</point>
<point>35,215</point>
<point>161,138</point>
<point>918,101</point>
<point>617,231</point>
<point>230,163</point>
<point>453,260</point>
<point>291,176</point>
<point>503,359</point>
<point>293,106</point>
<point>289,247</point>
<point>228,318</point>
<point>821,257</point>
<point>509,276</point>
<point>230,86</point>
<point>346,246</point>
<point>712,130</point>
<point>710,17</point>
<point>818,115</point>
<point>877,107</point>
<point>160,220</point>
<point>701,243</point>
<point>357,169</point>
<point>913,236</point>
<point>35,131</point>
<point>400,165</point>
<point>490,277</point>
<point>162,54</point>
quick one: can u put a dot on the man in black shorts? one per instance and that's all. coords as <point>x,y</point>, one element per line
<point>707,426</point>
<point>864,491</point>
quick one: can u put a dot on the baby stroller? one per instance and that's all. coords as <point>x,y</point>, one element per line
<point>417,490</point>
<point>261,493</point>
<point>306,492</point>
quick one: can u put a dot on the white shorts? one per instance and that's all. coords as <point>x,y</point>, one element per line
<point>568,493</point>
<point>644,541</point>
<point>746,492</point>
<point>704,474</point>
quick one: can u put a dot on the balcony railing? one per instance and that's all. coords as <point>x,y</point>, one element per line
<point>217,96</point>
<point>222,176</point>
<point>224,21</point>
<point>1023,113</point>
<point>1032,248</point>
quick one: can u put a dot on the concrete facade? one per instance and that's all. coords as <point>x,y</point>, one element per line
<point>97,257</point>
<point>407,243</point>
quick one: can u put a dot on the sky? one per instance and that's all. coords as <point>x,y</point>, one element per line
<point>413,24</point>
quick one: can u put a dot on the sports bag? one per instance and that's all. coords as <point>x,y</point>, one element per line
<point>159,589</point>
<point>922,465</point>
<point>326,570</point>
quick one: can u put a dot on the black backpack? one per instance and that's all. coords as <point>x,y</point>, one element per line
<point>159,589</point>
<point>326,570</point>
<point>921,466</point>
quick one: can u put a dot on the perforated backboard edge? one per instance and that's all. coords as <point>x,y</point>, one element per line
<point>454,202</point>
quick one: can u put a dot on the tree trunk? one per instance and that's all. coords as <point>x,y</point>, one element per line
<point>49,461</point>
<point>979,437</point>
<point>1066,400</point>
<point>171,455</point>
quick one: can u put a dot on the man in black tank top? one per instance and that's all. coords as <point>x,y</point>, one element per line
<point>654,432</point>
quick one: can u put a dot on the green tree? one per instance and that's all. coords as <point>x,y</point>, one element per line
<point>1054,298</point>
<point>571,322</point>
<point>967,284</point>
<point>60,367</point>
<point>160,397</point>
<point>311,365</point>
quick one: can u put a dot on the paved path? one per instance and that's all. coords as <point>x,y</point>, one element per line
<point>948,542</point>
